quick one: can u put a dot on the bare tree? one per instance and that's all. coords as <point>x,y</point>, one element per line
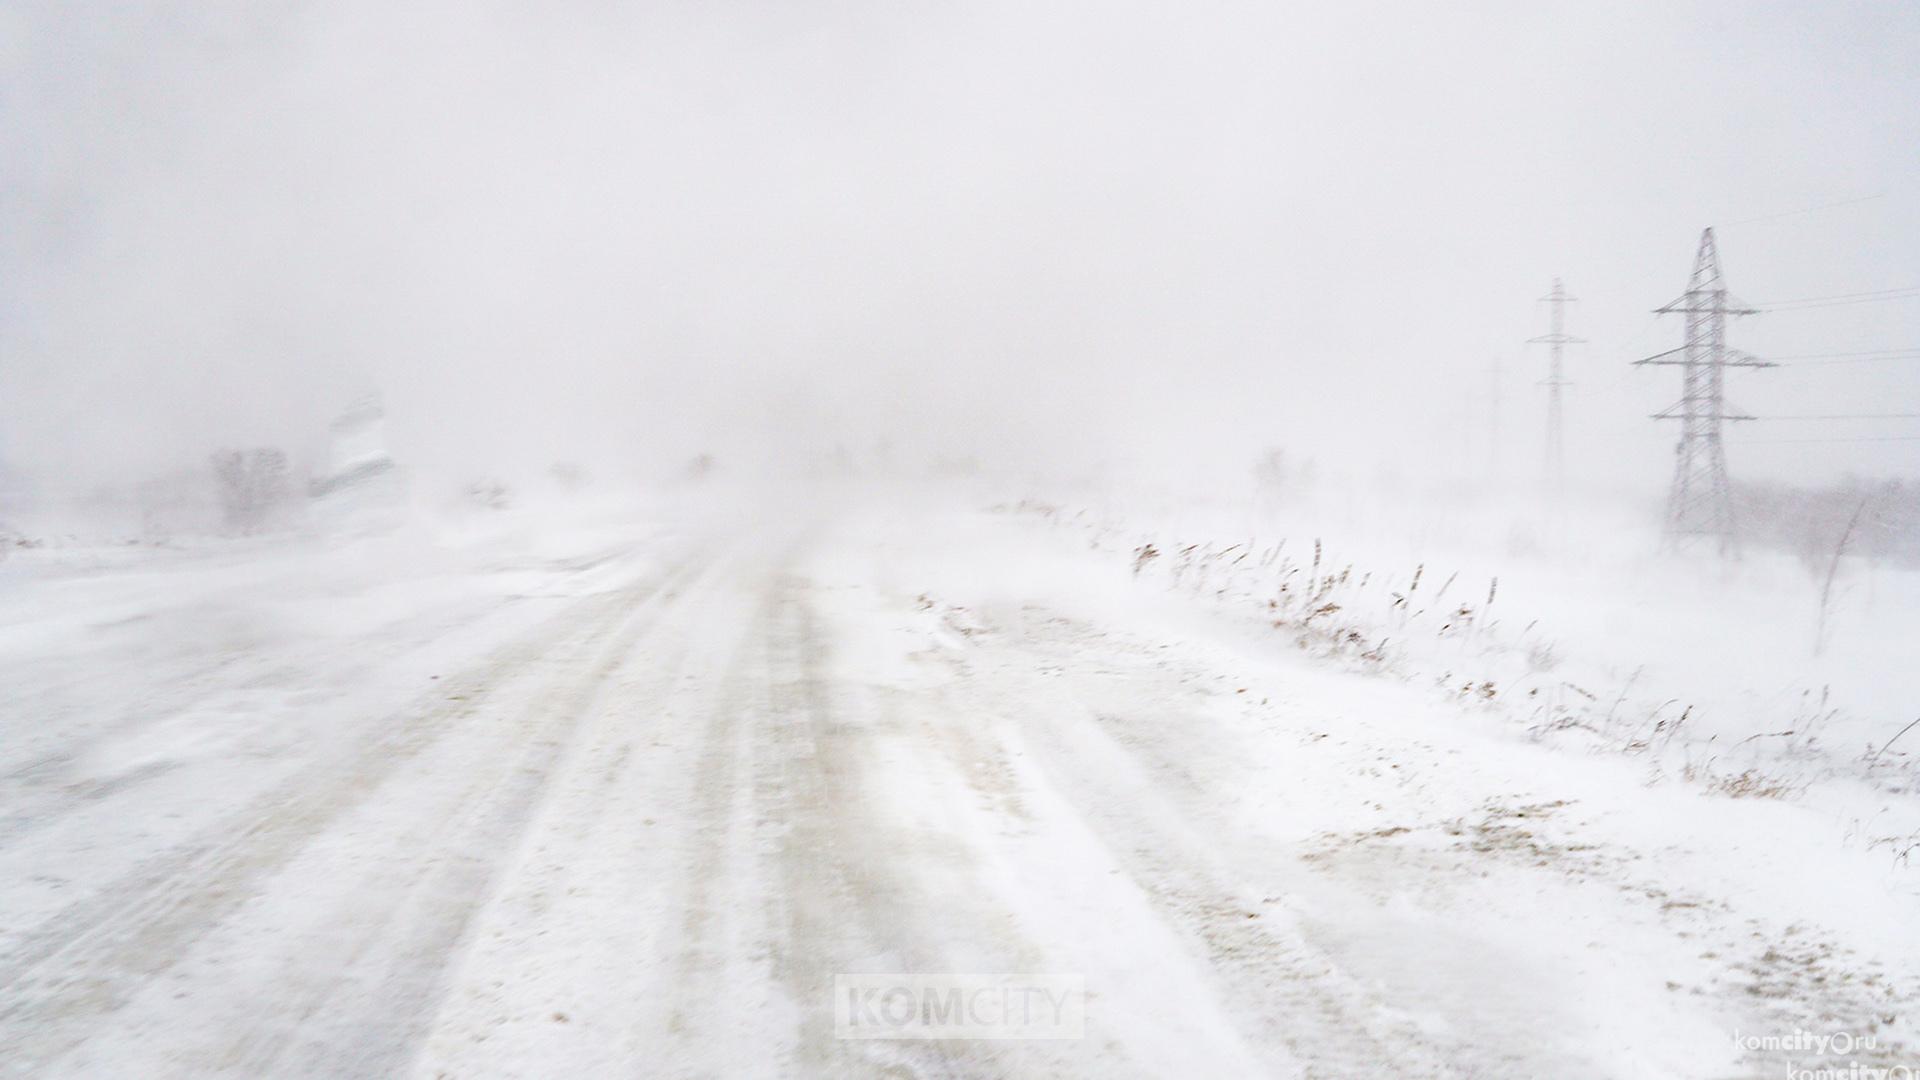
<point>1833,570</point>
<point>253,486</point>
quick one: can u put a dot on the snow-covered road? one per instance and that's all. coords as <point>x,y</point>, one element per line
<point>629,813</point>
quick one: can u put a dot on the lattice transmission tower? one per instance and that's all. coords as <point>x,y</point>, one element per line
<point>1699,505</point>
<point>1556,380</point>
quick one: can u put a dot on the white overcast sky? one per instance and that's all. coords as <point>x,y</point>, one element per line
<point>1055,232</point>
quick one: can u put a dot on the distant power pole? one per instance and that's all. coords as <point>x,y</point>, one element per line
<point>1698,503</point>
<point>1556,458</point>
<point>1493,418</point>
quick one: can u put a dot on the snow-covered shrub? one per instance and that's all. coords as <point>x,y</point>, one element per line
<point>569,475</point>
<point>253,486</point>
<point>490,493</point>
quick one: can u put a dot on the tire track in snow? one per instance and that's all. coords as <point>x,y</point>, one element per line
<point>716,836</point>
<point>436,901</point>
<point>800,867</point>
<point>1282,991</point>
<point>580,955</point>
<point>38,784</point>
<point>93,955</point>
<point>852,893</point>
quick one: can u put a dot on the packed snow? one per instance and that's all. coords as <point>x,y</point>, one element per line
<point>597,788</point>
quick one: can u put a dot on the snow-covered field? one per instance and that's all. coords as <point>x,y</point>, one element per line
<point>568,794</point>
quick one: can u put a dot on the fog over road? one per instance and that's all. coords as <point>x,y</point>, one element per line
<point>662,539</point>
<point>632,812</point>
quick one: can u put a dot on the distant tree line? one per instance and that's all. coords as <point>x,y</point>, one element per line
<point>1810,522</point>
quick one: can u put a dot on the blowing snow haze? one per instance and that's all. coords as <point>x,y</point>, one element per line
<point>1054,233</point>
<point>904,541</point>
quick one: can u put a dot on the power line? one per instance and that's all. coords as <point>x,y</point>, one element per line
<point>1804,210</point>
<point>1870,356</point>
<point>1846,416</point>
<point>1842,296</point>
<point>1844,300</point>
<point>1862,438</point>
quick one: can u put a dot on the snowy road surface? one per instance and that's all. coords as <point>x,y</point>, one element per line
<point>629,812</point>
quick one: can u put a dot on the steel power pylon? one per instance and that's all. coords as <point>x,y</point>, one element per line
<point>1698,504</point>
<point>1556,457</point>
<point>1493,419</point>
